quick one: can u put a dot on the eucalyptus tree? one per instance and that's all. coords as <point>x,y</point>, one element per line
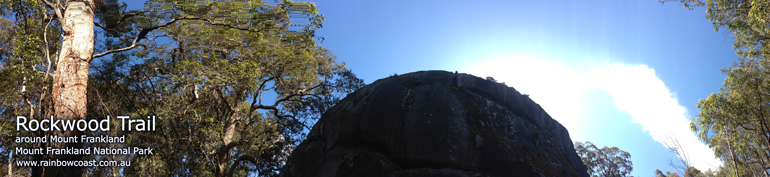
<point>734,121</point>
<point>233,84</point>
<point>28,41</point>
<point>605,161</point>
<point>213,87</point>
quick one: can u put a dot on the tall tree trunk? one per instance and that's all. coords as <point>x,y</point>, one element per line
<point>732,153</point>
<point>71,78</point>
<point>228,133</point>
<point>228,136</point>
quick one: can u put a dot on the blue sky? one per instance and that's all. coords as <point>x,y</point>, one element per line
<point>616,73</point>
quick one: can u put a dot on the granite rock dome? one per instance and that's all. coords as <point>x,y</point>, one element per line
<point>435,123</point>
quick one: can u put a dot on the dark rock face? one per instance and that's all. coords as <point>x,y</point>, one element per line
<point>436,123</point>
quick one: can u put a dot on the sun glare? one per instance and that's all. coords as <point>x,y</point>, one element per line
<point>564,91</point>
<point>554,86</point>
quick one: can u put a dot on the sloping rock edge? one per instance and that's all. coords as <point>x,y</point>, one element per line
<point>347,142</point>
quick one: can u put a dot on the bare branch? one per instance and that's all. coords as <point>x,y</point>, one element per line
<point>300,93</point>
<point>57,11</point>
<point>674,145</point>
<point>259,95</point>
<point>103,27</point>
<point>47,67</point>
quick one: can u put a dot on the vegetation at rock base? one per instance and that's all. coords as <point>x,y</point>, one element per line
<point>690,172</point>
<point>605,161</point>
<point>234,85</point>
<point>659,173</point>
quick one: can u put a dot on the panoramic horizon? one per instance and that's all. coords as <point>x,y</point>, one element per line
<point>237,88</point>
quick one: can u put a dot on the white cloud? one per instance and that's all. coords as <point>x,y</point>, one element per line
<point>555,87</point>
<point>634,89</point>
<point>638,91</point>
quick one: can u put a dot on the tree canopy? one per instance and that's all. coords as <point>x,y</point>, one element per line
<point>734,121</point>
<point>234,85</point>
<point>747,20</point>
<point>605,161</point>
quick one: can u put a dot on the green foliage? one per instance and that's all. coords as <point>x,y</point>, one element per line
<point>689,4</point>
<point>659,173</point>
<point>734,121</point>
<point>746,19</point>
<point>234,90</point>
<point>693,172</point>
<point>26,36</point>
<point>689,172</point>
<point>607,161</point>
<point>237,84</point>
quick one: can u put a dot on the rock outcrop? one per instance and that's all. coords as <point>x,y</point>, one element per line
<point>435,123</point>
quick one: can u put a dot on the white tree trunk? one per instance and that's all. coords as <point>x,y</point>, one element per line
<point>71,76</point>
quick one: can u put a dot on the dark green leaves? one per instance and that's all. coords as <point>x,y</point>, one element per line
<point>607,161</point>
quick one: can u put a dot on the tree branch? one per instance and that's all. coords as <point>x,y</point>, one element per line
<point>126,16</point>
<point>110,27</point>
<point>57,12</point>
<point>300,93</point>
<point>103,27</point>
<point>222,96</point>
<point>238,161</point>
<point>142,34</point>
<point>259,94</point>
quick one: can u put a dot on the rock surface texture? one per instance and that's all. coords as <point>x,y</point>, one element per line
<point>436,123</point>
